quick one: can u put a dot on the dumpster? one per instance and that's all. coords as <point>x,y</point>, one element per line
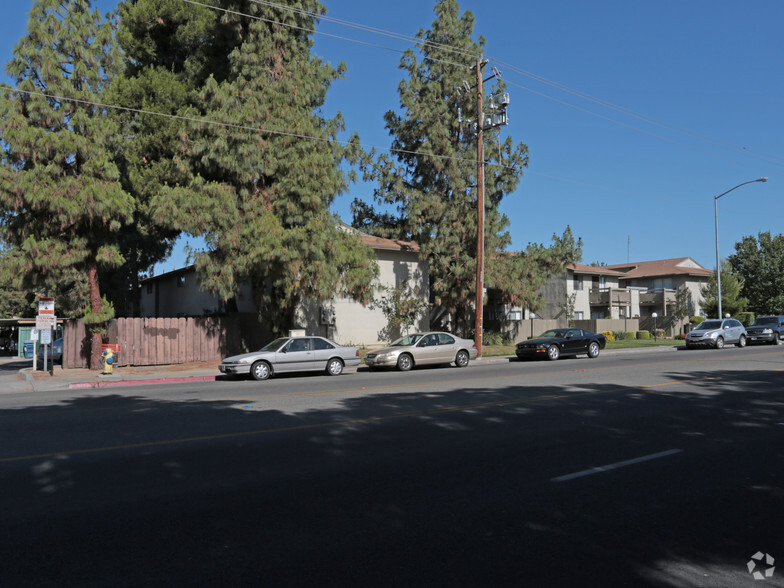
<point>29,349</point>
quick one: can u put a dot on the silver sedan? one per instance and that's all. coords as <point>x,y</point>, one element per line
<point>292,354</point>
<point>423,348</point>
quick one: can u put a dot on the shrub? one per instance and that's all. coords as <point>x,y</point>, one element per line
<point>696,320</point>
<point>619,335</point>
<point>495,338</point>
<point>630,335</point>
<point>644,335</point>
<point>609,335</point>
<point>659,333</point>
<point>745,317</point>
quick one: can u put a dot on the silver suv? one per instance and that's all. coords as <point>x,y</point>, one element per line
<point>715,333</point>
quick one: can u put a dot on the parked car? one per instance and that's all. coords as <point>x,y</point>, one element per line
<point>766,329</point>
<point>56,353</point>
<point>557,343</point>
<point>292,354</point>
<point>716,333</point>
<point>421,349</point>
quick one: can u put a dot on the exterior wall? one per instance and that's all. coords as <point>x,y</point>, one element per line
<point>177,294</point>
<point>353,323</point>
<point>555,292</point>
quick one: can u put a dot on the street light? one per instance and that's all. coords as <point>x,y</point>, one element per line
<point>532,316</point>
<point>716,216</point>
<point>654,315</point>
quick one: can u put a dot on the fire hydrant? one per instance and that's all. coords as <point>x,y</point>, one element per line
<point>108,360</point>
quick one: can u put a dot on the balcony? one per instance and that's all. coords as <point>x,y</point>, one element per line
<point>610,296</point>
<point>658,297</point>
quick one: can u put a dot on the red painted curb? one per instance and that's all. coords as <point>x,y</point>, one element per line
<point>78,385</point>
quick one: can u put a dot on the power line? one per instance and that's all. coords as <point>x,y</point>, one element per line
<point>628,112</point>
<point>315,32</point>
<point>9,89</point>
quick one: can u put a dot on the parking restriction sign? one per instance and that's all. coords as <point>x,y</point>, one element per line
<point>46,306</point>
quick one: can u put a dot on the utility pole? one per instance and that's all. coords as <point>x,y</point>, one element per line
<point>480,229</point>
<point>497,118</point>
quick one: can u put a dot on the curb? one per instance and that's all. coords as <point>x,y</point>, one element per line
<point>116,383</point>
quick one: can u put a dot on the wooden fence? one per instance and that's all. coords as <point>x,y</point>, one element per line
<point>160,341</point>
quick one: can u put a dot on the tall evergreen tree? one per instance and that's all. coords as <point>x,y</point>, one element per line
<point>263,180</point>
<point>760,262</point>
<point>427,192</point>
<point>169,48</point>
<point>62,205</point>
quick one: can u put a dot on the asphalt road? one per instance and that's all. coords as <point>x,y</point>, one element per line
<point>634,469</point>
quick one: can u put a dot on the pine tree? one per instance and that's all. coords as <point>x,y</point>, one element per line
<point>427,192</point>
<point>169,48</point>
<point>62,205</point>
<point>264,179</point>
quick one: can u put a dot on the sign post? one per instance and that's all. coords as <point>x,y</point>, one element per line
<point>45,322</point>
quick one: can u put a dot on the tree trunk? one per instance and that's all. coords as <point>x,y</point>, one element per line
<point>95,305</point>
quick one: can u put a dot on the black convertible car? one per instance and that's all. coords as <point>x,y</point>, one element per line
<point>561,342</point>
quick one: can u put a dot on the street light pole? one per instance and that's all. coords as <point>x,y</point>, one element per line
<point>716,218</point>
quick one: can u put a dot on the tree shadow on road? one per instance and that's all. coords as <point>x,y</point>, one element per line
<point>404,488</point>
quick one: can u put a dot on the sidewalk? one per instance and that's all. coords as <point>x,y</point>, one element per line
<point>17,375</point>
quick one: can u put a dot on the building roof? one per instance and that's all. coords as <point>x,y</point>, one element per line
<point>378,243</point>
<point>603,270</point>
<point>679,266</point>
<point>389,244</point>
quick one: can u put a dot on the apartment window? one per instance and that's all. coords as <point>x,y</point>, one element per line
<point>578,315</point>
<point>578,282</point>
<point>180,281</point>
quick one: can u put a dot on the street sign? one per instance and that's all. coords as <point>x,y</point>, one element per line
<point>46,306</point>
<point>45,321</point>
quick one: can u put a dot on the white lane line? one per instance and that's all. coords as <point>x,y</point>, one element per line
<point>615,466</point>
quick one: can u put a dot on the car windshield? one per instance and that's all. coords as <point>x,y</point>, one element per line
<point>554,333</point>
<point>407,340</point>
<point>709,325</point>
<point>766,320</point>
<point>274,345</point>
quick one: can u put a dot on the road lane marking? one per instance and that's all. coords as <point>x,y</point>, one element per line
<point>615,466</point>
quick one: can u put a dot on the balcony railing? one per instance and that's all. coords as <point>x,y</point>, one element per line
<point>657,297</point>
<point>607,296</point>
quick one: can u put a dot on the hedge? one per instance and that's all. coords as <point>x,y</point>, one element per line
<point>644,335</point>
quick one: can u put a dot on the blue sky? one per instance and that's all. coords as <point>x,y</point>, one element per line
<point>666,105</point>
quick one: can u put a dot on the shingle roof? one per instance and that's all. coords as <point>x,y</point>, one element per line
<point>678,266</point>
<point>603,270</point>
<point>389,244</point>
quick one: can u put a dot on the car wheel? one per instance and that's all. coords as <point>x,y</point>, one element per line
<point>462,358</point>
<point>742,341</point>
<point>404,362</point>
<point>553,352</point>
<point>334,367</point>
<point>593,350</point>
<point>719,343</point>
<point>260,370</point>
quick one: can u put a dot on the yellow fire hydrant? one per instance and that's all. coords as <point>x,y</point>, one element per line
<point>108,360</point>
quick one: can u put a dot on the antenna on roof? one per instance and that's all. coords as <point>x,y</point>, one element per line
<point>628,247</point>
